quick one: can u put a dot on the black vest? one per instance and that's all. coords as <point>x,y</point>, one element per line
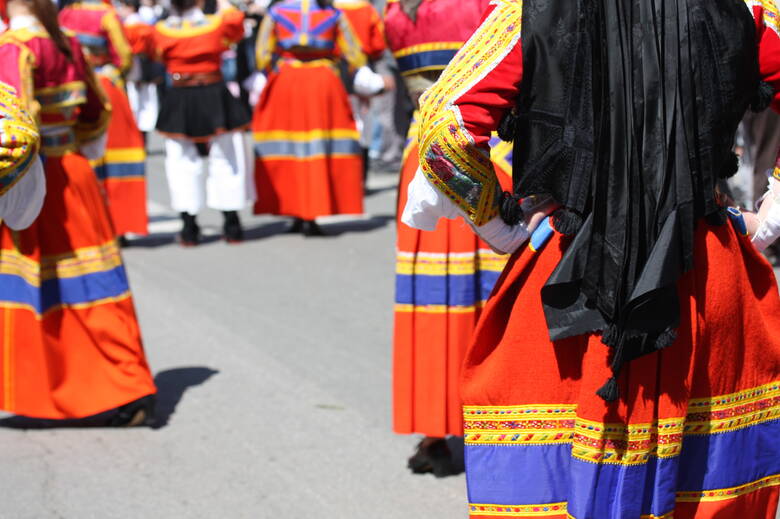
<point>627,116</point>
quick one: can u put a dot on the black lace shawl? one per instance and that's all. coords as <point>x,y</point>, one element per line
<point>627,118</point>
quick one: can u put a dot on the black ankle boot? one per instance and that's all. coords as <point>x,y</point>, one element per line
<point>234,233</point>
<point>190,232</point>
<point>136,413</point>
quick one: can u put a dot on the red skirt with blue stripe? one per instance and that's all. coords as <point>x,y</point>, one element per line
<point>70,345</point>
<point>695,433</point>
<point>122,170</point>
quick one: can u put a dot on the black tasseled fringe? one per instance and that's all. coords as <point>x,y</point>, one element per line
<point>763,97</point>
<point>566,221</point>
<point>730,166</point>
<point>510,209</point>
<point>509,127</point>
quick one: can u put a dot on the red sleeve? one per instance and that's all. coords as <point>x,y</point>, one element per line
<point>768,31</point>
<point>232,25</point>
<point>376,44</point>
<point>17,63</point>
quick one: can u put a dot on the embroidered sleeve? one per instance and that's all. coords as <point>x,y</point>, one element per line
<point>232,25</point>
<point>121,53</point>
<point>349,45</point>
<point>266,42</point>
<point>19,139</point>
<point>465,105</point>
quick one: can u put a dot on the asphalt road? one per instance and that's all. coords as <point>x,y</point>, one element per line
<point>273,364</point>
<point>272,360</point>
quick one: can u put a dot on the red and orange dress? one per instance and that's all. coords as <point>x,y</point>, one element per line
<point>141,89</point>
<point>694,433</point>
<point>309,161</point>
<point>366,25</point>
<point>443,277</point>
<point>71,346</point>
<point>122,168</point>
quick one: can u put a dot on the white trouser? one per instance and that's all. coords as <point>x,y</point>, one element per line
<point>230,183</point>
<point>144,103</point>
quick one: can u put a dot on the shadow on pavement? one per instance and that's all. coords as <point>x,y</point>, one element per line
<point>334,229</point>
<point>171,386</point>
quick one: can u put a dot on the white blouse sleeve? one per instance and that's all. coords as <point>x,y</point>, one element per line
<point>19,207</point>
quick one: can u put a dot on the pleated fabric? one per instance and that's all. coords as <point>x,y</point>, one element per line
<point>70,345</point>
<point>309,161</point>
<point>122,170</point>
<point>694,434</point>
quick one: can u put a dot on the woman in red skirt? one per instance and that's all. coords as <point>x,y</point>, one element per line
<point>309,161</point>
<point>626,365</point>
<point>71,346</point>
<point>443,277</point>
<point>122,167</point>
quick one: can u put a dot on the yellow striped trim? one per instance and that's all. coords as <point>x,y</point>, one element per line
<point>76,306</point>
<point>606,443</point>
<point>723,494</point>
<point>187,30</point>
<point>544,510</point>
<point>123,155</point>
<point>80,262</point>
<point>312,135</point>
<point>428,47</point>
<point>431,264</point>
<point>438,309</point>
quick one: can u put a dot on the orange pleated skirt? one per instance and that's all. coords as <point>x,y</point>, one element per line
<point>443,278</point>
<point>123,168</point>
<point>70,345</point>
<point>309,161</point>
<point>694,434</point>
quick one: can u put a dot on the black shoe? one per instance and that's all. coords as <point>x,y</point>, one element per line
<point>433,458</point>
<point>136,413</point>
<point>234,233</point>
<point>190,232</point>
<point>296,227</point>
<point>312,229</point>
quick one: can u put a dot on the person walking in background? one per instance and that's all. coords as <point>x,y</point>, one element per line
<point>122,168</point>
<point>309,160</point>
<point>369,30</point>
<point>143,76</point>
<point>70,339</point>
<point>200,118</point>
<point>627,363</point>
<point>443,277</point>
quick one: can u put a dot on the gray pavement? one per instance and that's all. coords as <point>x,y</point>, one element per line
<point>273,363</point>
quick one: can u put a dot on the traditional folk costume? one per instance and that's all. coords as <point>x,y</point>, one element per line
<point>70,339</point>
<point>308,152</point>
<point>201,118</point>
<point>22,182</point>
<point>369,31</point>
<point>623,113</point>
<point>122,169</point>
<point>141,87</point>
<point>443,277</point>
